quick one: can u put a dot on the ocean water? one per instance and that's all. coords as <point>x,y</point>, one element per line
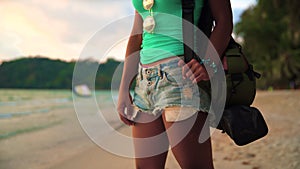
<point>24,111</point>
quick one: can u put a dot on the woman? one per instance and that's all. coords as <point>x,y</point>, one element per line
<point>161,99</point>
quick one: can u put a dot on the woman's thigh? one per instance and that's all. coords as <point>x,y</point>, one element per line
<point>150,143</point>
<point>183,137</point>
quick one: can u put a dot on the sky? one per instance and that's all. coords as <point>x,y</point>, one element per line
<point>60,29</point>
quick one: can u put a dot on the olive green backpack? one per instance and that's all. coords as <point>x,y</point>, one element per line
<point>243,123</point>
<point>240,76</point>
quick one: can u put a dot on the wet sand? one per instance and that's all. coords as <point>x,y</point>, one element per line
<point>62,144</point>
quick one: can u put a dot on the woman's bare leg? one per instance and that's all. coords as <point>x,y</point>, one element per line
<point>189,153</point>
<point>148,130</point>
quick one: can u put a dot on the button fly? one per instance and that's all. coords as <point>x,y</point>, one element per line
<point>148,71</point>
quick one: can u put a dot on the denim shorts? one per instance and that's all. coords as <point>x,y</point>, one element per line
<point>161,88</point>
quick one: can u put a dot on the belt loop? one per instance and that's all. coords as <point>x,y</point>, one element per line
<point>159,71</point>
<point>141,72</point>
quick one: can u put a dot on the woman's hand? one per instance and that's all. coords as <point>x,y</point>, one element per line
<point>124,107</point>
<point>194,71</point>
<point>131,62</point>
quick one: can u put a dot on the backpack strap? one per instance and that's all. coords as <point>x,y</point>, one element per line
<point>188,7</point>
<point>205,24</point>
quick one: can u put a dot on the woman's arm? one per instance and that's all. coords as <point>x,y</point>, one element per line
<point>130,70</point>
<point>135,40</point>
<point>132,52</point>
<point>220,36</point>
<point>222,14</point>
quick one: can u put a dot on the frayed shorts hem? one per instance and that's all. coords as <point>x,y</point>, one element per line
<point>172,113</point>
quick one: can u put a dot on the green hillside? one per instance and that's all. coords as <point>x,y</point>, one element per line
<point>44,73</point>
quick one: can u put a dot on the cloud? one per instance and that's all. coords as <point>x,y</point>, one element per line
<point>56,28</point>
<point>35,31</point>
<point>9,46</point>
<point>60,28</point>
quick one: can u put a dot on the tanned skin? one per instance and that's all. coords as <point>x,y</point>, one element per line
<point>189,153</point>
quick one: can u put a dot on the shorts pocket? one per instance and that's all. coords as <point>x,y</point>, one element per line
<point>174,79</point>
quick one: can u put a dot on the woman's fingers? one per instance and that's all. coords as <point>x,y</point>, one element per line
<point>193,70</point>
<point>187,69</point>
<point>126,121</point>
<point>124,116</point>
<point>182,64</point>
<point>125,105</point>
<point>202,76</point>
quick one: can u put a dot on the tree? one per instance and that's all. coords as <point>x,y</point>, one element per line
<point>43,73</point>
<point>271,33</point>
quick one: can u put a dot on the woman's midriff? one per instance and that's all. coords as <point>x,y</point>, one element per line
<point>159,62</point>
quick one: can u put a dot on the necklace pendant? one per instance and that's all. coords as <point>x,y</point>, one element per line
<point>149,24</point>
<point>148,4</point>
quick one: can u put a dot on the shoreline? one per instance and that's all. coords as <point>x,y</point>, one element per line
<point>67,146</point>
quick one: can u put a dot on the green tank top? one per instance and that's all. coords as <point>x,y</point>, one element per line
<point>166,39</point>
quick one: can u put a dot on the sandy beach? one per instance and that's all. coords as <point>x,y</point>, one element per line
<point>51,136</point>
